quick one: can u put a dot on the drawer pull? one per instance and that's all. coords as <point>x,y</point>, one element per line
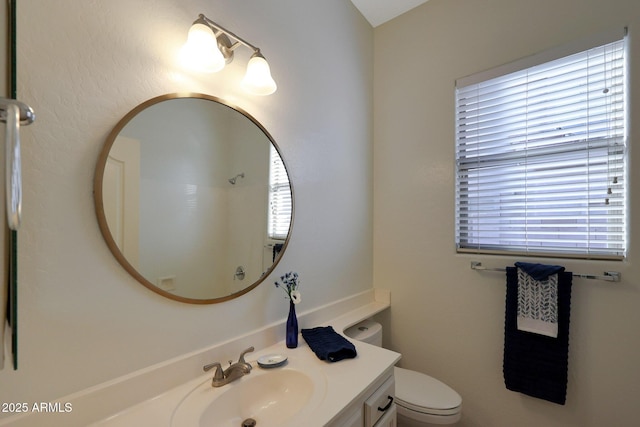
<point>388,405</point>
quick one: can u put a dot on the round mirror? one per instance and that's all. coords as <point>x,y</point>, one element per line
<point>193,198</point>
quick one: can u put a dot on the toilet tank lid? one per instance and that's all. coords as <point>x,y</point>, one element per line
<point>423,393</point>
<point>363,330</point>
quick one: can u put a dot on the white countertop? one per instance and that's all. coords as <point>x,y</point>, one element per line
<point>149,396</point>
<point>345,381</point>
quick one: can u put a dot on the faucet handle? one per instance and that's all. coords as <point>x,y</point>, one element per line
<point>248,350</point>
<point>219,374</point>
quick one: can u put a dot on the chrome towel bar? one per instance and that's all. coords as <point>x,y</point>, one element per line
<point>608,276</point>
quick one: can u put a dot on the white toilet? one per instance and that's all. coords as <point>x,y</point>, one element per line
<point>422,401</point>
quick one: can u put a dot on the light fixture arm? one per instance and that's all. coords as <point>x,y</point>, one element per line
<point>202,19</point>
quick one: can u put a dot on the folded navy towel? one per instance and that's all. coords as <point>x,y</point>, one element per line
<point>328,345</point>
<point>535,364</point>
<point>539,271</point>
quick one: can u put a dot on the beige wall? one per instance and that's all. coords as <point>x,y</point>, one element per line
<point>82,66</point>
<point>446,319</point>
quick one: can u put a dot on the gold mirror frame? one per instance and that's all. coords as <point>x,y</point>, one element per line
<point>100,209</point>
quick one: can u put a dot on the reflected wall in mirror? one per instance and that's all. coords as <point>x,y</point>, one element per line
<point>193,198</point>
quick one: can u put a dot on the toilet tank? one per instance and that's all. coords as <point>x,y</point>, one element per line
<point>368,331</point>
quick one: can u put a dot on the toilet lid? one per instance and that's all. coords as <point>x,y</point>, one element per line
<point>422,393</point>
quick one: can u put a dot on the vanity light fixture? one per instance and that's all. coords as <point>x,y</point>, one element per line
<point>209,48</point>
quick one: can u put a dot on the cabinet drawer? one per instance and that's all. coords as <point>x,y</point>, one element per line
<point>389,419</point>
<point>379,402</point>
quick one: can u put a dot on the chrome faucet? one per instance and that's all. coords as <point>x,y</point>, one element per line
<point>232,373</point>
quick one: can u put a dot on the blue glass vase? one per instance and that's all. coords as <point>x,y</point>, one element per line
<point>292,327</point>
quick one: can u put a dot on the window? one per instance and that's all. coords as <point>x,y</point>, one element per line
<point>540,155</point>
<point>279,218</point>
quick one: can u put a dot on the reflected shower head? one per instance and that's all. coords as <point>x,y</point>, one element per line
<point>232,181</point>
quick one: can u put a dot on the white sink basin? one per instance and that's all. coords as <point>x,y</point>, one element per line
<point>272,397</point>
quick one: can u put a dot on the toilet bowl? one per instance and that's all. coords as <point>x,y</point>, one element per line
<point>422,401</point>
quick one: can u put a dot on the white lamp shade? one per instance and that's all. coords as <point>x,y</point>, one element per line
<point>258,80</point>
<point>201,52</point>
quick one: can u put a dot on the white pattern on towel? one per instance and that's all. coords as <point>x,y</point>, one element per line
<point>538,304</point>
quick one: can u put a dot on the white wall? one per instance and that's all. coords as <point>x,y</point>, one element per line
<point>446,319</point>
<point>82,66</point>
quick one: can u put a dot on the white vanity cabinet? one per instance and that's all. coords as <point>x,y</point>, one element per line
<point>351,391</point>
<point>374,408</point>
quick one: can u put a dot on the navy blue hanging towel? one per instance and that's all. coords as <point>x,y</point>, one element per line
<point>328,345</point>
<point>535,364</point>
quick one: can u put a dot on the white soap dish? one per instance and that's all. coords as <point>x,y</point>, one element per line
<point>272,361</point>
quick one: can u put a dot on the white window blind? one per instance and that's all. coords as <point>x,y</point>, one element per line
<point>540,158</point>
<point>280,204</point>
